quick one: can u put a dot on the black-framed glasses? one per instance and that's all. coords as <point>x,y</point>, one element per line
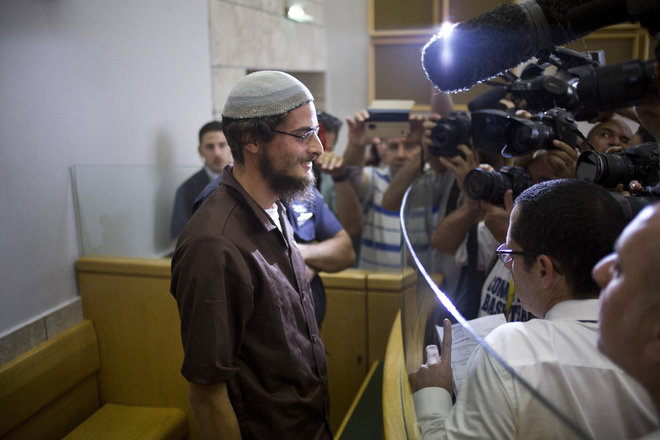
<point>506,256</point>
<point>305,137</point>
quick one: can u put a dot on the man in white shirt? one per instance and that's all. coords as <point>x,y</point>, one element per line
<point>558,230</point>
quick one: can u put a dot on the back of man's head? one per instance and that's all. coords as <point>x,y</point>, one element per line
<point>574,222</point>
<point>257,104</point>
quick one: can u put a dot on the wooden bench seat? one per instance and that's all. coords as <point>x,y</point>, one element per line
<point>51,392</point>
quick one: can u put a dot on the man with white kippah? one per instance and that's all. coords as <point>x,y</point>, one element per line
<point>253,355</point>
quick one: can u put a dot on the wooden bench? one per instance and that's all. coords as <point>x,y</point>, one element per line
<point>51,392</point>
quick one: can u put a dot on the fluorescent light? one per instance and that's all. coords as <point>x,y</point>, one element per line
<point>297,13</point>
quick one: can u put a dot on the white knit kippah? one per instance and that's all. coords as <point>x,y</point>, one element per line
<point>265,93</point>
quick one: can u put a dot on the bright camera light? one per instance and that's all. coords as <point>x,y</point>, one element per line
<point>446,29</point>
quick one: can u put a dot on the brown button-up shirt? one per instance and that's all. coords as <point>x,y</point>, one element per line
<point>247,316</point>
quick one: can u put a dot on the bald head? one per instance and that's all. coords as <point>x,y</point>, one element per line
<point>643,234</point>
<point>629,279</point>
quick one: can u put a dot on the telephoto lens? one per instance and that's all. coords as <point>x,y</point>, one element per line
<point>490,186</point>
<point>608,170</point>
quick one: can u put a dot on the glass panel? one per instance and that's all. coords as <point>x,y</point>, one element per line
<point>126,210</point>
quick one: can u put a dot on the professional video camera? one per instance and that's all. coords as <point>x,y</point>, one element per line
<point>491,185</point>
<point>613,87</point>
<point>581,85</point>
<point>640,163</point>
<point>449,133</point>
<point>541,92</point>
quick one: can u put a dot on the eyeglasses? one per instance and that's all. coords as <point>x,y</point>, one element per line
<point>506,256</point>
<point>304,138</point>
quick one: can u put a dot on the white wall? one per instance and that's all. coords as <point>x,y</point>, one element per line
<point>347,77</point>
<point>86,82</point>
<point>129,82</point>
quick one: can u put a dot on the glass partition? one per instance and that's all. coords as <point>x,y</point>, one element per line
<point>424,308</point>
<point>126,210</point>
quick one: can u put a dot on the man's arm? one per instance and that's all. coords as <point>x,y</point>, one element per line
<point>453,229</point>
<point>215,415</point>
<point>348,208</point>
<point>393,195</point>
<point>331,255</point>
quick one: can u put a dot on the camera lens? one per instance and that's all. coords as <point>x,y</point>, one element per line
<point>491,186</point>
<point>478,184</point>
<point>484,185</point>
<point>525,135</point>
<point>607,170</point>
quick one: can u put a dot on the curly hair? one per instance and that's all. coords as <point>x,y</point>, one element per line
<point>241,131</point>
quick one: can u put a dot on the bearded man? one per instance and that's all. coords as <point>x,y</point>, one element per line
<point>253,355</point>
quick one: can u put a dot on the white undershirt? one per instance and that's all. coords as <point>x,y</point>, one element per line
<point>275,216</point>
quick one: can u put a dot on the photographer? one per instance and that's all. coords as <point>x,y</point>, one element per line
<point>380,229</point>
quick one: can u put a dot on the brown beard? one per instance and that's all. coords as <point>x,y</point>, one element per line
<point>286,187</point>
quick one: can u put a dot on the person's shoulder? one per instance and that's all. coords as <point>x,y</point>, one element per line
<point>194,182</point>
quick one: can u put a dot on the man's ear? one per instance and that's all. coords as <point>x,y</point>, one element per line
<point>546,271</point>
<point>251,145</point>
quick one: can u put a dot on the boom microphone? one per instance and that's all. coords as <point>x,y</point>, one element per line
<point>492,42</point>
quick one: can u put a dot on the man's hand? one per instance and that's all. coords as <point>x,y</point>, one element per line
<point>562,159</point>
<point>436,372</point>
<point>331,163</point>
<point>356,130</point>
<point>496,217</point>
<point>461,166</point>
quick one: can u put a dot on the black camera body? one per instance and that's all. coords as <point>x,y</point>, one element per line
<point>544,92</point>
<point>449,133</point>
<point>640,162</point>
<point>526,135</point>
<point>490,186</point>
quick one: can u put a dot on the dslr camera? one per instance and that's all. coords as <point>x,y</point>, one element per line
<point>491,185</point>
<point>449,133</point>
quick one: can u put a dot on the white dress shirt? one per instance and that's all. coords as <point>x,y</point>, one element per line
<point>558,357</point>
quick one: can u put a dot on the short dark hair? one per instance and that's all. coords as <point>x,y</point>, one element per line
<point>209,126</point>
<point>240,131</point>
<point>574,222</point>
<point>330,123</point>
